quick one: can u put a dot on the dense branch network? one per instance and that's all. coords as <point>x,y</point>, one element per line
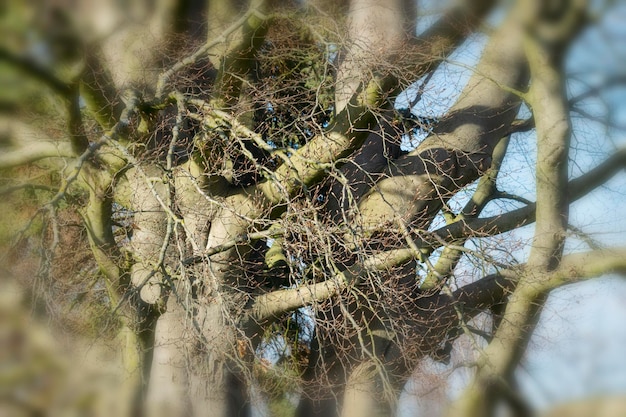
<point>256,185</point>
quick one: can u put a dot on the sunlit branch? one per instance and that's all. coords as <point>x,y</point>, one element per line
<point>33,152</point>
<point>310,163</point>
<point>521,125</point>
<point>580,266</point>
<point>294,298</point>
<point>460,147</point>
<point>271,305</point>
<point>484,192</point>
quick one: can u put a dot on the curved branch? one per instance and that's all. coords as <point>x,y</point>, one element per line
<point>495,288</point>
<point>478,295</point>
<point>461,145</point>
<point>310,163</point>
<point>494,225</point>
<point>545,39</point>
<point>574,268</point>
<point>34,152</point>
<point>481,294</point>
<point>485,191</point>
<point>271,305</point>
<point>580,266</point>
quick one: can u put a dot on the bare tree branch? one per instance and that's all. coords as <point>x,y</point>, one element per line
<point>577,188</point>
<point>34,152</point>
